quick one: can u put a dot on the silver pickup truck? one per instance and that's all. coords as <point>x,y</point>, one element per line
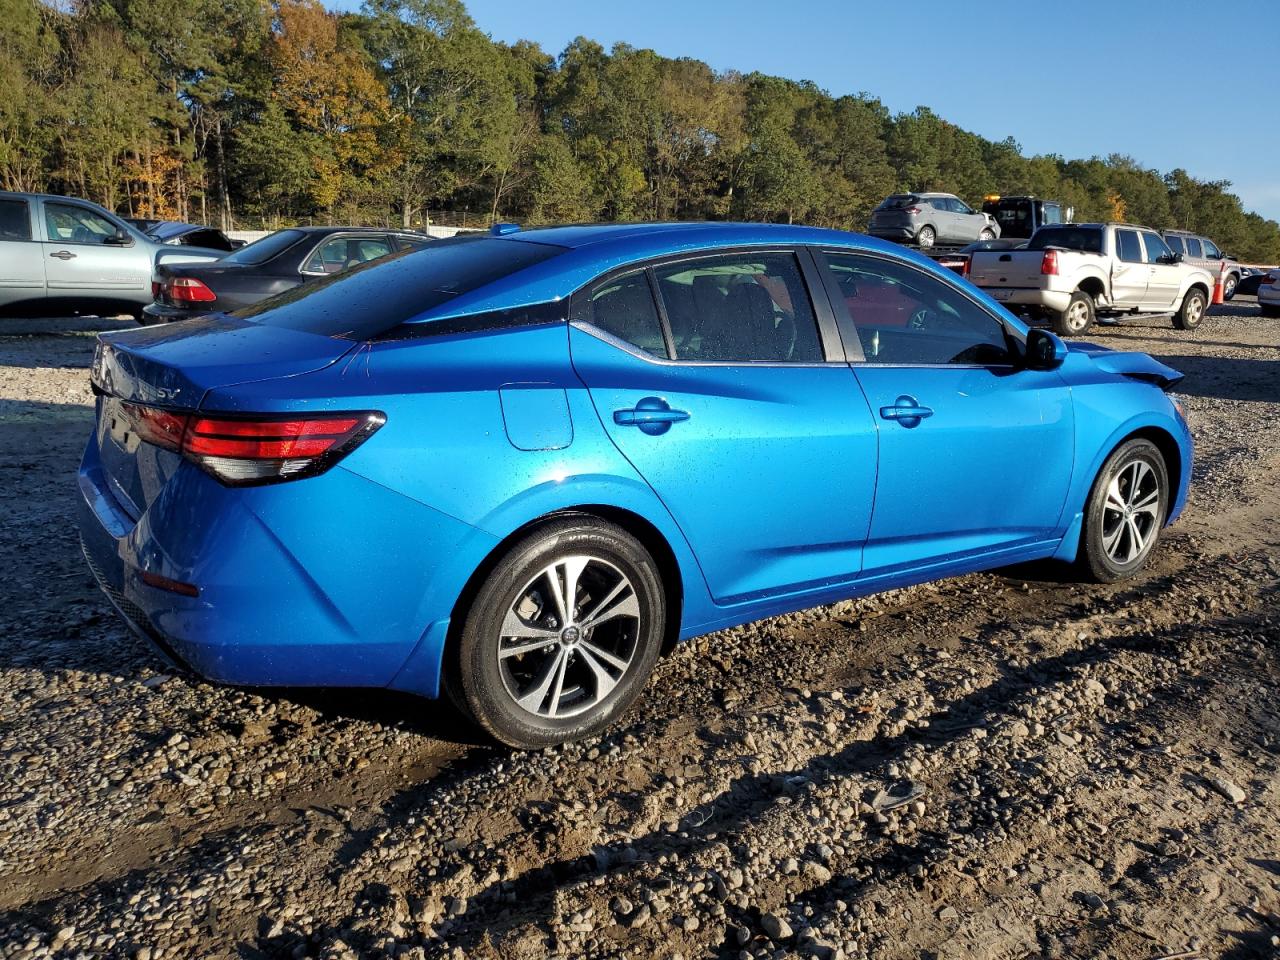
<point>61,256</point>
<point>1071,274</point>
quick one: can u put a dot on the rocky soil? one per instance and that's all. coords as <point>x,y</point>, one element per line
<point>1005,765</point>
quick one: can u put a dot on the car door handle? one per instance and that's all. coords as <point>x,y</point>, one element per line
<point>652,415</point>
<point>63,254</point>
<point>907,411</point>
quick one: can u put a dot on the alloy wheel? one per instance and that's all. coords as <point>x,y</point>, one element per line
<point>1077,316</point>
<point>1130,514</point>
<point>569,637</point>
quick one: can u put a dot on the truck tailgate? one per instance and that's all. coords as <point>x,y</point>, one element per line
<point>994,269</point>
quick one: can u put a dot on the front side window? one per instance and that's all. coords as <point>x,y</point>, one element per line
<point>1157,250</point>
<point>67,223</point>
<point>1127,246</point>
<point>906,316</point>
<point>1211,251</point>
<point>342,253</point>
<point>1175,244</point>
<point>15,220</point>
<point>1193,247</point>
<point>959,206</point>
<point>739,307</point>
<point>624,307</point>
<point>1052,213</point>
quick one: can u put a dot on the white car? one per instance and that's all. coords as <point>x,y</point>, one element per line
<point>1269,294</point>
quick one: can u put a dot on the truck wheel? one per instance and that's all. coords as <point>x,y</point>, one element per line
<point>986,235</point>
<point>926,237</point>
<point>1229,286</point>
<point>1077,318</point>
<point>1191,313</point>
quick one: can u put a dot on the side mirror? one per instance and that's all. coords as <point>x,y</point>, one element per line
<point>1045,351</point>
<point>119,239</point>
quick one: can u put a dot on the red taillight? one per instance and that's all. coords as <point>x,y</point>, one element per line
<point>184,290</point>
<point>1049,263</point>
<point>173,586</point>
<point>248,450</point>
<point>912,210</point>
<point>1269,278</point>
<point>964,269</point>
<point>156,287</point>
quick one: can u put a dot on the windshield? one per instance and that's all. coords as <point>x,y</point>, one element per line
<point>260,251</point>
<point>898,201</point>
<point>382,294</point>
<point>1085,239</point>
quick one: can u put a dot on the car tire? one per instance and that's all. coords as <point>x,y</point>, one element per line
<point>987,235</point>
<point>1125,513</point>
<point>1229,285</point>
<point>1191,314</point>
<point>1077,318</point>
<point>926,237</point>
<point>581,663</point>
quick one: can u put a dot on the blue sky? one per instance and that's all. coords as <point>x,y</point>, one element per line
<point>1172,83</point>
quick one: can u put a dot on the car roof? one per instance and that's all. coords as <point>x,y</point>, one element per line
<point>590,251</point>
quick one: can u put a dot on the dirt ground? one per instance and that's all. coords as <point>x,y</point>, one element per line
<point>1005,765</point>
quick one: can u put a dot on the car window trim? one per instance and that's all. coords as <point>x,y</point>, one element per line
<point>829,337</point>
<point>339,236</point>
<point>1011,333</point>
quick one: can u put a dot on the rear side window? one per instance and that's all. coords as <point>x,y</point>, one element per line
<point>260,251</point>
<point>1051,213</point>
<point>1128,248</point>
<point>1175,244</point>
<point>739,307</point>
<point>1156,248</point>
<point>1084,239</point>
<point>624,307</point>
<point>15,220</point>
<point>373,298</point>
<point>1193,247</point>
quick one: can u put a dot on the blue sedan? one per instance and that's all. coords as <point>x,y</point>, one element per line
<point>514,466</point>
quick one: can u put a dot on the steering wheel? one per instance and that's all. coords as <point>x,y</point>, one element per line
<point>922,319</point>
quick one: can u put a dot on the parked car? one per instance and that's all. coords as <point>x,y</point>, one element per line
<point>1020,217</point>
<point>928,218</point>
<point>1070,274</point>
<point>278,262</point>
<point>176,233</point>
<point>1250,279</point>
<point>60,256</point>
<point>1269,294</point>
<point>1202,252</point>
<point>514,466</point>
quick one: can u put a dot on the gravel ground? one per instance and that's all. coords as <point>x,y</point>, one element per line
<point>1003,765</point>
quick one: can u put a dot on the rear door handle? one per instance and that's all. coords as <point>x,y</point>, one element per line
<point>652,415</point>
<point>63,254</point>
<point>907,411</point>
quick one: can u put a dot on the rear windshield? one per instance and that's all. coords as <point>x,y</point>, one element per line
<point>376,297</point>
<point>260,251</point>
<point>898,201</point>
<point>1085,239</point>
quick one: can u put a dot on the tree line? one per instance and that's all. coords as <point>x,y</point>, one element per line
<point>270,112</point>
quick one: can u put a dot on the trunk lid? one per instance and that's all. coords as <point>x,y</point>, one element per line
<point>173,367</point>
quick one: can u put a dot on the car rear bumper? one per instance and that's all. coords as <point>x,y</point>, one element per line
<point>1029,297</point>
<point>892,233</point>
<point>283,600</point>
<point>164,313</point>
